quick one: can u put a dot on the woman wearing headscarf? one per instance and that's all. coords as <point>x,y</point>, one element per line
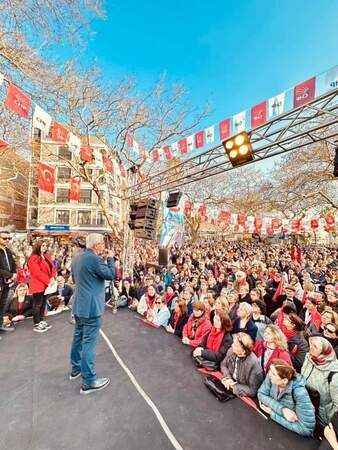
<point>197,327</point>
<point>320,370</point>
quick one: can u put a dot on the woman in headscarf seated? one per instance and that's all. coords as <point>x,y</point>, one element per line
<point>284,397</point>
<point>197,327</point>
<point>170,297</point>
<point>241,369</point>
<point>159,313</point>
<point>21,305</point>
<point>244,322</point>
<point>216,344</point>
<point>273,346</point>
<point>320,370</point>
<point>146,301</point>
<point>179,317</point>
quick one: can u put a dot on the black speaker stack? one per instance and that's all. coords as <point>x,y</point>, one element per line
<point>143,218</point>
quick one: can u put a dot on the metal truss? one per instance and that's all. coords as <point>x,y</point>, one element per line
<point>305,125</point>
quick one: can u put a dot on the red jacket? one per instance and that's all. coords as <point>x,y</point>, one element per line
<point>200,333</point>
<point>41,271</point>
<point>278,353</point>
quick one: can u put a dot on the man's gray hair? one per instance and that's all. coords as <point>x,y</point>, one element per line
<point>94,238</point>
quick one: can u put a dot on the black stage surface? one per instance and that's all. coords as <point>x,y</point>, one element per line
<point>41,410</point>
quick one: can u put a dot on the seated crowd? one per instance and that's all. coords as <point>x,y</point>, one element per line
<point>267,323</point>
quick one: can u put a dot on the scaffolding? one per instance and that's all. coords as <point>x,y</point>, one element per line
<point>313,122</point>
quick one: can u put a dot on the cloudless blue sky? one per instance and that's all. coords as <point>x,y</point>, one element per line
<point>232,53</point>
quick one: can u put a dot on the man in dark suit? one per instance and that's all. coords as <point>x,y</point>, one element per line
<point>89,272</point>
<point>7,275</point>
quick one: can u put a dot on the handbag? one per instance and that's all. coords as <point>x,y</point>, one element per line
<point>213,366</point>
<point>218,389</point>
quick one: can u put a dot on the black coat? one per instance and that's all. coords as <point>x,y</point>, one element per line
<point>298,347</point>
<point>7,265</point>
<point>180,323</point>
<point>27,307</point>
<point>218,356</point>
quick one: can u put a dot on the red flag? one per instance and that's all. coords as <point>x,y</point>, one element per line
<point>18,101</point>
<point>187,207</point>
<point>329,219</point>
<point>258,223</point>
<point>241,218</point>
<point>59,133</point>
<point>258,115</point>
<point>168,153</point>
<point>199,139</point>
<point>304,92</point>
<point>276,223</point>
<point>155,154</point>
<point>129,139</point>
<point>108,165</point>
<point>224,129</point>
<point>74,191</point>
<point>3,145</point>
<point>316,318</point>
<point>183,146</point>
<point>86,154</point>
<point>295,225</point>
<point>224,216</point>
<point>279,290</point>
<point>314,224</point>
<point>202,210</point>
<point>296,253</point>
<point>46,177</point>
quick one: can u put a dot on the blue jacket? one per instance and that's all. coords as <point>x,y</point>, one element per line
<point>89,273</point>
<point>295,397</point>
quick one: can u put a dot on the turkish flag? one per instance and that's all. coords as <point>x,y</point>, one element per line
<point>329,219</point>
<point>183,146</point>
<point>46,178</point>
<point>3,145</point>
<point>168,153</point>
<point>74,191</point>
<point>241,218</point>
<point>59,133</point>
<point>199,139</point>
<point>224,129</point>
<point>258,115</point>
<point>108,165</point>
<point>258,223</point>
<point>314,224</point>
<point>304,92</point>
<point>202,210</point>
<point>295,225</point>
<point>276,223</point>
<point>187,207</point>
<point>155,154</point>
<point>18,101</point>
<point>86,154</point>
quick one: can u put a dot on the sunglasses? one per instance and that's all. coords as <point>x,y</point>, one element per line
<point>158,303</point>
<point>5,238</point>
<point>329,330</point>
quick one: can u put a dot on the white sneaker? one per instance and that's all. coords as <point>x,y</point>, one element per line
<point>40,328</point>
<point>46,324</point>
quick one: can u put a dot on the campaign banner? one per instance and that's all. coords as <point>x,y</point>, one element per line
<point>173,224</point>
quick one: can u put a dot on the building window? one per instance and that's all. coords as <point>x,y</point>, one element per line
<point>100,220</point>
<point>85,196</point>
<point>65,153</point>
<point>62,196</point>
<point>62,217</point>
<point>84,217</point>
<point>64,173</point>
<point>88,171</point>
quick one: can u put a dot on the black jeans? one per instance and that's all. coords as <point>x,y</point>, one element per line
<point>39,307</point>
<point>4,290</point>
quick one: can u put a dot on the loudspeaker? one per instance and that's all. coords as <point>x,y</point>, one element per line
<point>173,199</point>
<point>163,256</point>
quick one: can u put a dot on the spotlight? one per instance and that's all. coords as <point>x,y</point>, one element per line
<point>239,149</point>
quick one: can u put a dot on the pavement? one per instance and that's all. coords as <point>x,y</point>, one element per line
<point>40,409</point>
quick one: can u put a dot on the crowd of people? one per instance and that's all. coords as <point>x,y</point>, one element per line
<point>250,311</point>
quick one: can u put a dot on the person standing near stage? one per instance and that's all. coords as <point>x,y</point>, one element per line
<point>89,272</point>
<point>42,275</point>
<point>7,275</point>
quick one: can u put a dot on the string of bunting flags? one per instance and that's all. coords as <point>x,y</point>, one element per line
<point>260,224</point>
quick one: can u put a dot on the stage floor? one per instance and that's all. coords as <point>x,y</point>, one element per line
<point>41,410</point>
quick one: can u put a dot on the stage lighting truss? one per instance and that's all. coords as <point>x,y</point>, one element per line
<point>314,122</point>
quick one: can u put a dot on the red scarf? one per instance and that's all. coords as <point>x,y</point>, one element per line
<point>279,322</point>
<point>177,315</point>
<point>168,297</point>
<point>192,324</point>
<point>215,339</point>
<point>323,358</point>
<point>150,300</point>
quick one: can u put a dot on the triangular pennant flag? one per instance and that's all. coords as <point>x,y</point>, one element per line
<point>41,119</point>
<point>190,143</point>
<point>238,122</point>
<point>199,139</point>
<point>210,134</point>
<point>276,105</point>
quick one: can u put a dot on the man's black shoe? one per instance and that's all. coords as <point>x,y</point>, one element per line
<point>98,384</point>
<point>74,375</point>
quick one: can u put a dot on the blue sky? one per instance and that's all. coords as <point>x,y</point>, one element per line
<point>232,53</point>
